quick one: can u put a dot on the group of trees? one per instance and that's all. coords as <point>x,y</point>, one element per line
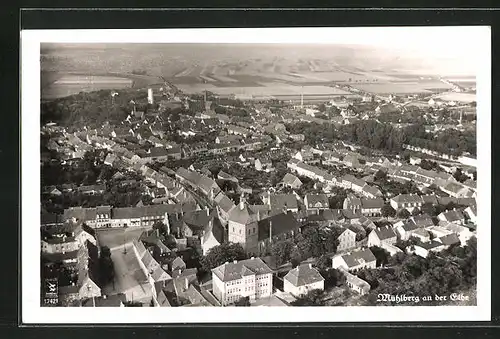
<point>313,241</point>
<point>90,108</point>
<point>91,170</point>
<point>376,135</point>
<point>449,271</point>
<point>225,252</point>
<point>106,266</point>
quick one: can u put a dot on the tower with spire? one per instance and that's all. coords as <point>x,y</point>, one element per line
<point>243,227</point>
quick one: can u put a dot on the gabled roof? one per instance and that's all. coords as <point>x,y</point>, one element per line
<point>280,201</point>
<point>290,179</point>
<point>242,214</point>
<point>216,229</point>
<point>372,190</point>
<point>277,224</point>
<point>303,275</point>
<point>178,263</point>
<point>409,226</point>
<point>408,198</point>
<point>316,200</point>
<point>224,202</point>
<point>453,215</point>
<point>384,232</point>
<point>238,269</point>
<point>372,203</point>
<point>422,220</point>
<point>430,199</point>
<point>356,258</point>
<point>114,300</point>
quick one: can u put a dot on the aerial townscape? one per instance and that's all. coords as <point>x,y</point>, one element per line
<point>170,180</point>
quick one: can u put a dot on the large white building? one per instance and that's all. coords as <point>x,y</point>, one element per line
<point>247,278</point>
<point>302,279</point>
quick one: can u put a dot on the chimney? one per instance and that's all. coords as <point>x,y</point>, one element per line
<point>242,202</point>
<point>180,271</point>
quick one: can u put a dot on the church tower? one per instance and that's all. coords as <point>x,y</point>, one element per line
<point>243,227</point>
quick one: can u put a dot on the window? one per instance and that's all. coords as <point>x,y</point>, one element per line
<point>254,230</point>
<point>240,231</point>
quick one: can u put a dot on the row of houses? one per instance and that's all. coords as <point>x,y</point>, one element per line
<point>347,181</point>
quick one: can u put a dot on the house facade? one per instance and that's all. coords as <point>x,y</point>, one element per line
<point>303,279</point>
<point>247,278</point>
<point>347,240</point>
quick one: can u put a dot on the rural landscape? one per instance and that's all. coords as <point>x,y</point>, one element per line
<point>317,73</point>
<point>221,175</point>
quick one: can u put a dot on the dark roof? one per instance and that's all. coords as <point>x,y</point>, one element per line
<point>303,275</point>
<point>224,202</point>
<point>430,199</point>
<point>453,215</point>
<point>280,201</point>
<point>430,244</point>
<point>281,223</point>
<point>355,258</point>
<point>450,239</point>
<point>384,232</point>
<point>372,203</point>
<point>105,301</point>
<point>446,200</point>
<point>409,226</point>
<point>408,198</point>
<point>423,220</point>
<point>216,229</point>
<point>316,200</point>
<point>350,214</point>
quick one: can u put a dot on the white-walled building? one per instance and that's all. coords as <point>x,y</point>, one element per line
<point>302,279</point>
<point>355,260</point>
<point>247,278</point>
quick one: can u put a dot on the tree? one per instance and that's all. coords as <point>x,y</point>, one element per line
<point>381,255</point>
<point>106,266</point>
<point>244,301</point>
<point>459,176</point>
<point>218,255</point>
<point>380,175</point>
<point>324,263</point>
<point>282,251</point>
<point>333,277</point>
<point>403,213</point>
<point>429,208</point>
<point>312,298</point>
<point>388,211</point>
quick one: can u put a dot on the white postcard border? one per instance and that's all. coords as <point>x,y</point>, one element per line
<point>33,313</point>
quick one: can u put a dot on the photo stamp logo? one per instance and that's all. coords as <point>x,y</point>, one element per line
<point>51,292</point>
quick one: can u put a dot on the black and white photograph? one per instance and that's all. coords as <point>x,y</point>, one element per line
<point>233,170</point>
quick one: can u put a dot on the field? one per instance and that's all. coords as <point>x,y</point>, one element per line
<point>459,97</point>
<point>265,89</point>
<point>61,85</point>
<point>404,87</point>
<point>240,69</point>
